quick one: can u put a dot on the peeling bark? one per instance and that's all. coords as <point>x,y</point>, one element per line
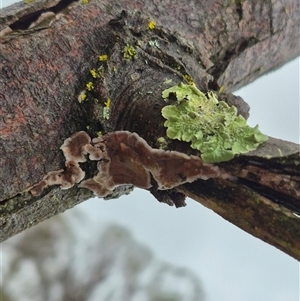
<point>220,44</point>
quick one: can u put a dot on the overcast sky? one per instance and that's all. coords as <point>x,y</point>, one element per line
<point>233,265</point>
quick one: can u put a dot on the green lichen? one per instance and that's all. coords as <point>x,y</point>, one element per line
<point>168,81</point>
<point>154,43</point>
<point>212,126</point>
<point>161,142</point>
<point>106,114</point>
<point>106,109</point>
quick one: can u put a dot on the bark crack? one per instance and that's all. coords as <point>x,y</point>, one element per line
<point>277,197</point>
<point>27,20</point>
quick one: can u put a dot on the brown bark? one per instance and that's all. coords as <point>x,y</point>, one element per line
<point>218,43</point>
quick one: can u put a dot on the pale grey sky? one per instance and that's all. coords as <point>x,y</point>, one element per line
<point>4,3</point>
<point>233,265</point>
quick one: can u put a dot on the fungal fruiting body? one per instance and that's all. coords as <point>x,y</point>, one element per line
<point>124,158</point>
<point>73,149</point>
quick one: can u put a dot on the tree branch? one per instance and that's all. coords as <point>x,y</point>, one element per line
<point>265,199</point>
<point>45,69</point>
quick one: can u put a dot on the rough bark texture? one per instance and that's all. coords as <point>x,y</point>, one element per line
<point>220,44</point>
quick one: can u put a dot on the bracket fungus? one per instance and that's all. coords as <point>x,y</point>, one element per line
<point>66,178</point>
<point>124,158</point>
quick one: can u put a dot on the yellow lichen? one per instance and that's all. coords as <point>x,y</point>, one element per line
<point>129,52</point>
<point>222,89</point>
<point>89,86</point>
<point>94,73</point>
<point>107,103</point>
<point>82,96</point>
<point>84,1</point>
<point>151,24</point>
<point>103,57</point>
<point>189,79</point>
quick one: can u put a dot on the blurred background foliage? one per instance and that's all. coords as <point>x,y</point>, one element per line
<point>72,258</point>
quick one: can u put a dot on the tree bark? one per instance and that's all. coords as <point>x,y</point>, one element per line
<point>221,45</point>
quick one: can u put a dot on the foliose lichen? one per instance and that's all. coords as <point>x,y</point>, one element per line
<point>213,127</point>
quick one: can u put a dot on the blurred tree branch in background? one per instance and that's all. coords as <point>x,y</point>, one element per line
<point>55,261</point>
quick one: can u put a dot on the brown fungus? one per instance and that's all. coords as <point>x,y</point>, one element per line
<point>38,188</point>
<point>128,159</point>
<point>73,147</point>
<point>125,158</point>
<point>66,178</point>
